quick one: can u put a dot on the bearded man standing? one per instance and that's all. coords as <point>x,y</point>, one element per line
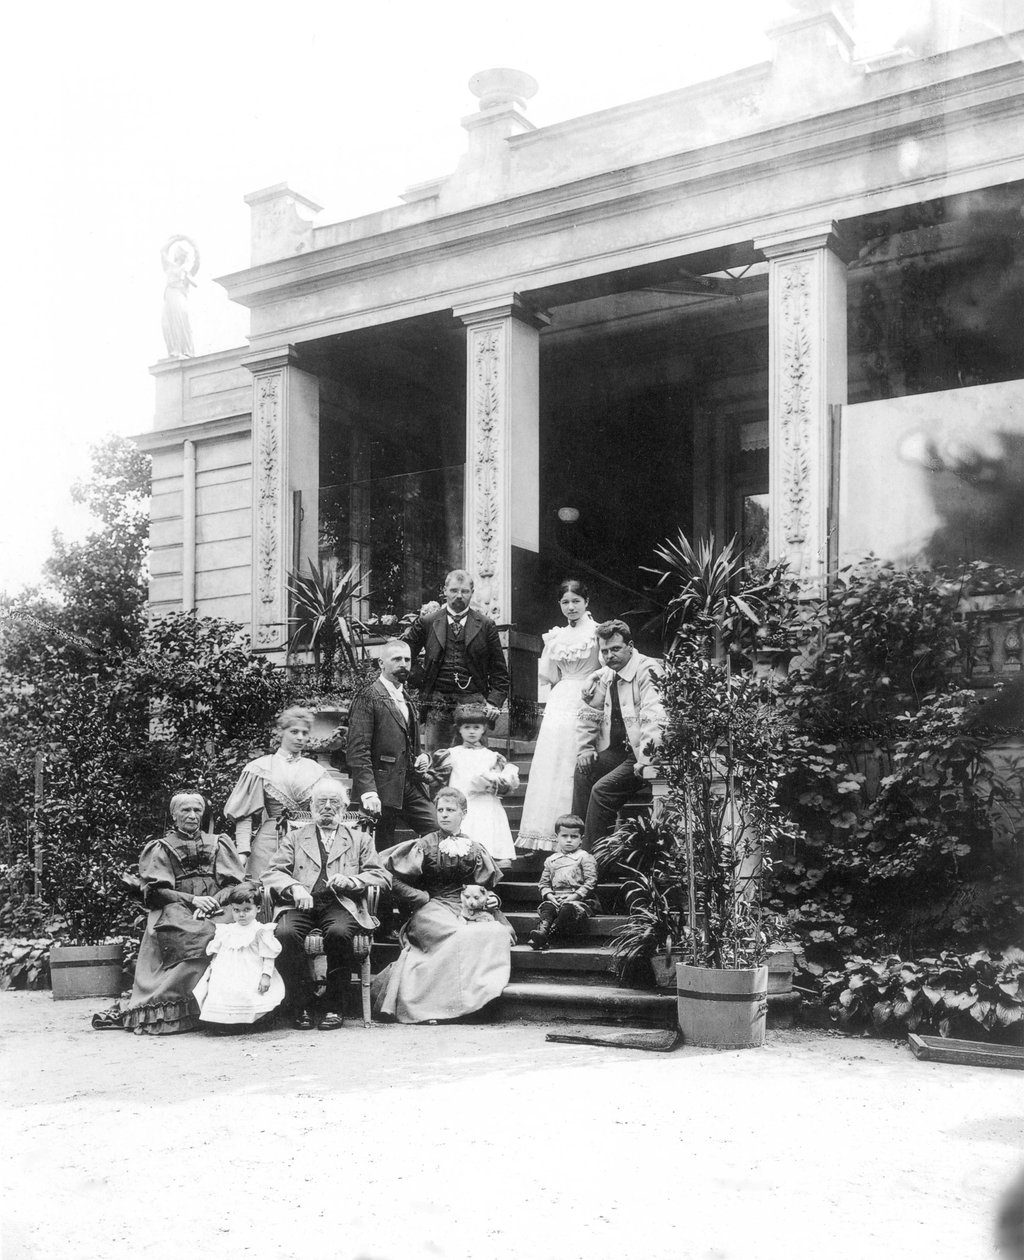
<point>383,752</point>
<point>463,661</point>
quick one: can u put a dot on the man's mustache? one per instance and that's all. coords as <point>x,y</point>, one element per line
<point>401,672</point>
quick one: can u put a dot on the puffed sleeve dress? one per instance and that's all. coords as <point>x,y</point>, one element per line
<point>448,967</point>
<point>173,871</point>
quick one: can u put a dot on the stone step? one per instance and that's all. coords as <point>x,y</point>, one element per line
<point>518,748</point>
<point>543,1003</point>
<point>578,984</point>
<point>526,867</point>
<point>519,893</point>
<point>600,927</point>
<point>582,965</point>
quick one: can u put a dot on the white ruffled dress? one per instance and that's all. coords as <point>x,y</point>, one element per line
<point>478,772</point>
<point>569,657</point>
<point>228,991</point>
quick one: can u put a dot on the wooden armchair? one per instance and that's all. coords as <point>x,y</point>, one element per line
<point>361,947</point>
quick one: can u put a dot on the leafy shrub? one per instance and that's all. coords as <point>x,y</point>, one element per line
<point>25,963</point>
<point>911,830</point>
<point>979,996</point>
<point>185,707</point>
<point>888,640</point>
<point>22,914</point>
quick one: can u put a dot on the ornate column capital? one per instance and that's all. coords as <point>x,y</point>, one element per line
<point>272,360</point>
<point>824,235</point>
<point>500,306</point>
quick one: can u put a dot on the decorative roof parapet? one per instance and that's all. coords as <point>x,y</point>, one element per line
<point>813,63</point>
<point>282,223</point>
<point>484,169</point>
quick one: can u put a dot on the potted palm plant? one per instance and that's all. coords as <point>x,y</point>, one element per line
<point>645,849</point>
<point>322,623</point>
<point>322,620</point>
<point>704,590</point>
<point>721,762</point>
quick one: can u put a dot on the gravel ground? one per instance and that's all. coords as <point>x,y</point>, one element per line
<point>484,1142</point>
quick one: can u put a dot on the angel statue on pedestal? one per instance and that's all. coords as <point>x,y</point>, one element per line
<point>180,259</point>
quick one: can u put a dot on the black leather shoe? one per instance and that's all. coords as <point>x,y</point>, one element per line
<point>330,1021</point>
<point>304,1021</point>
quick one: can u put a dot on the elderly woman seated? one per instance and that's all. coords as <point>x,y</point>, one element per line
<point>184,877</point>
<point>450,965</point>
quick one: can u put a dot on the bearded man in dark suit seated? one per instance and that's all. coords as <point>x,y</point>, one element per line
<point>321,873</point>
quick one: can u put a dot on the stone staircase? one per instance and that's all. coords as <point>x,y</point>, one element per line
<point>575,982</point>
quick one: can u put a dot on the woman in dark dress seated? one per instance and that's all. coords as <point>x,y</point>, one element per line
<point>449,965</point>
<point>184,878</point>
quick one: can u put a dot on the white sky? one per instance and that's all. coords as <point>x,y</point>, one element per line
<point>129,122</point>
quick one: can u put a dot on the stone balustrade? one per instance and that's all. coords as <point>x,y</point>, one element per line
<point>996,643</point>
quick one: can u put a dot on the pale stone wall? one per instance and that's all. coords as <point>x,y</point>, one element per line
<point>223,529</point>
<point>923,476</point>
<point>201,514</point>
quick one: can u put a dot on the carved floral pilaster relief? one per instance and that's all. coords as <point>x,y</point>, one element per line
<point>795,429</point>
<point>485,542</point>
<point>268,521</point>
<point>807,288</point>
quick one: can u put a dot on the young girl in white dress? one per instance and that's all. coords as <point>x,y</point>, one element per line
<point>241,985</point>
<point>569,657</point>
<point>483,776</point>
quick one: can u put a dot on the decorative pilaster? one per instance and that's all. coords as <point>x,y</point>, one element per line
<point>285,433</point>
<point>269,467</point>
<point>502,445</point>
<point>807,375</point>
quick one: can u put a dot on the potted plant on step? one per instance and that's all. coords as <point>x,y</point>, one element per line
<point>721,762</point>
<point>721,758</point>
<point>645,849</point>
<point>323,623</point>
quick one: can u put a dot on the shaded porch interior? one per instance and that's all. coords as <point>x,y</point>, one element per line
<point>653,403</point>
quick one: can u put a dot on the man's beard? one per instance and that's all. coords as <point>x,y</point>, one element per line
<point>400,675</point>
<point>458,603</point>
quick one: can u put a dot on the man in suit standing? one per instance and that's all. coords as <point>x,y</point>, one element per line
<point>383,753</point>
<point>320,873</point>
<point>463,662</point>
<point>620,724</point>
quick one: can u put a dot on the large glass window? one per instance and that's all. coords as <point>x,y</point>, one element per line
<point>405,530</point>
<point>392,456</point>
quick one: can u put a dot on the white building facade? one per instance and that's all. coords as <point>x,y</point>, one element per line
<point>786,304</point>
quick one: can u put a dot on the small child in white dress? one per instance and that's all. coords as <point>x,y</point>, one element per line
<point>241,984</point>
<point>484,776</point>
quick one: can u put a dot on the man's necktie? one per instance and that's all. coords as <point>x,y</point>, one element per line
<point>457,624</point>
<point>321,879</point>
<point>617,728</point>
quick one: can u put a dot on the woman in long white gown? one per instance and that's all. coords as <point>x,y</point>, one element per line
<point>569,657</point>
